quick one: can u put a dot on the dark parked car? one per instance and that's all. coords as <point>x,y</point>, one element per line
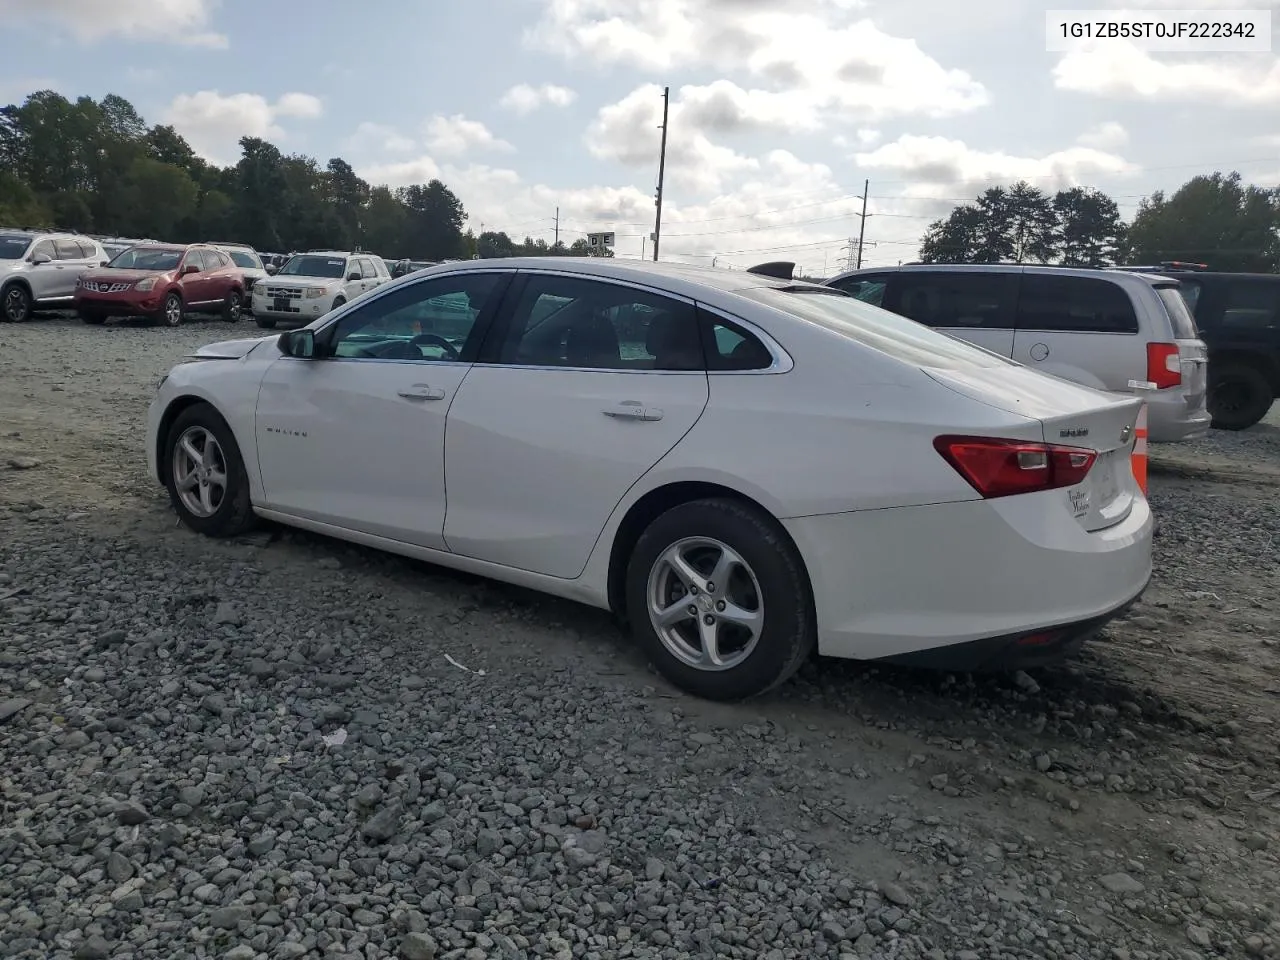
<point>1239,318</point>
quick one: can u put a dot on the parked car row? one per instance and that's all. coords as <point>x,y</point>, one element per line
<point>1200,347</point>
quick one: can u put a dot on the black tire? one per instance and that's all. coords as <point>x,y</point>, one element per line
<point>337,302</point>
<point>789,631</point>
<point>92,317</point>
<point>266,323</point>
<point>172,311</point>
<point>233,307</point>
<point>1239,396</point>
<point>234,514</point>
<point>16,305</point>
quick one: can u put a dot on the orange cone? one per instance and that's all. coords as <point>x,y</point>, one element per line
<point>1139,456</point>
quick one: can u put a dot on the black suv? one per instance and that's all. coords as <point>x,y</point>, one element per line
<point>1239,319</point>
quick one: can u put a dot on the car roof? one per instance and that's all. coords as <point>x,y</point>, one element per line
<point>672,275</point>
<point>1125,278</point>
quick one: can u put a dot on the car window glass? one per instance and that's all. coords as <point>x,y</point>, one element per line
<point>44,249</point>
<point>730,347</point>
<point>1252,304</point>
<point>867,289</point>
<point>1190,291</point>
<point>87,251</point>
<point>873,327</point>
<point>423,321</point>
<point>1074,305</point>
<point>195,258</point>
<point>67,249</point>
<point>368,270</point>
<point>1184,325</point>
<point>969,300</point>
<point>574,322</point>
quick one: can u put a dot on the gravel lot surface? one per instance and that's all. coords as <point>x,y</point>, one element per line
<point>174,780</point>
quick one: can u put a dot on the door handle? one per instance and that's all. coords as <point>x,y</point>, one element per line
<point>633,410</point>
<point>422,391</point>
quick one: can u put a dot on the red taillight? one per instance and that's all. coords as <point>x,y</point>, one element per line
<point>1164,365</point>
<point>1001,468</point>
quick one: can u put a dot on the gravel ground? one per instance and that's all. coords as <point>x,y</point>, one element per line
<point>260,749</point>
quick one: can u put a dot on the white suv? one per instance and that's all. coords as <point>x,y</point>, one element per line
<point>311,284</point>
<point>1120,332</point>
<point>40,270</point>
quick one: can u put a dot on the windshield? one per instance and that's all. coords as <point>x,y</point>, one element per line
<point>881,330</point>
<point>12,248</point>
<point>243,258</point>
<point>328,267</point>
<point>147,258</point>
<point>1184,325</point>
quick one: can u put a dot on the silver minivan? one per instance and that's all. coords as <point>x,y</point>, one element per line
<point>1120,332</point>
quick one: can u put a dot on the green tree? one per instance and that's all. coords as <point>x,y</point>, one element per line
<point>954,239</point>
<point>435,219</point>
<point>490,244</point>
<point>147,179</point>
<point>385,224</point>
<point>1089,229</point>
<point>1213,219</point>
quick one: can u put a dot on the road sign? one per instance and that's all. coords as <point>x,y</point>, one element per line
<point>598,240</point>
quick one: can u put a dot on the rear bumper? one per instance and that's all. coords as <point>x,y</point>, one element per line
<point>897,582</point>
<point>1170,420</point>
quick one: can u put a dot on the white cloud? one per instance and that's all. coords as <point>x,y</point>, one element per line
<point>1122,71</point>
<point>808,57</point>
<point>627,133</point>
<point>522,98</point>
<point>214,123</point>
<point>457,135</point>
<point>182,22</point>
<point>1105,136</point>
<point>378,138</point>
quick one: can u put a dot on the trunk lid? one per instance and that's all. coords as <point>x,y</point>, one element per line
<point>1070,415</point>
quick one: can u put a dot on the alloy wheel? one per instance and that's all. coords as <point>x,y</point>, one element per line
<point>199,472</point>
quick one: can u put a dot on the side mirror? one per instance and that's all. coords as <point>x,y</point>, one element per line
<point>40,259</point>
<point>354,275</point>
<point>190,268</point>
<point>300,344</point>
<point>271,268</point>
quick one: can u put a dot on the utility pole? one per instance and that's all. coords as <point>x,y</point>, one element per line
<point>862,220</point>
<point>557,226</point>
<point>662,169</point>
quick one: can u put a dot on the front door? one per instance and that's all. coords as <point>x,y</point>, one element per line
<point>976,306</point>
<point>355,437</point>
<point>197,288</point>
<point>583,387</point>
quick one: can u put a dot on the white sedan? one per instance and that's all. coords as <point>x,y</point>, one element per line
<point>747,469</point>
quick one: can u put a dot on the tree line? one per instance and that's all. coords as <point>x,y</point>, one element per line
<point>97,167</point>
<point>1214,219</point>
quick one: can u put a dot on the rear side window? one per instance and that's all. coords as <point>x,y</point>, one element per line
<point>867,289</point>
<point>1074,305</point>
<point>87,250</point>
<point>973,301</point>
<point>1252,304</point>
<point>1184,325</point>
<point>729,346</point>
<point>879,329</point>
<point>67,249</point>
<point>1190,290</point>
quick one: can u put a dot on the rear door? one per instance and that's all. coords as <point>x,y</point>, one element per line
<point>70,263</point>
<point>1083,329</point>
<point>582,387</point>
<point>972,305</point>
<point>1193,354</point>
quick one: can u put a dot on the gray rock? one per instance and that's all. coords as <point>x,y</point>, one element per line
<point>94,948</point>
<point>1121,883</point>
<point>488,842</point>
<point>417,946</point>
<point>262,844</point>
<point>895,894</point>
<point>24,463</point>
<point>241,952</point>
<point>654,868</point>
<point>12,707</point>
<point>230,918</point>
<point>226,613</point>
<point>382,826</point>
<point>1198,935</point>
<point>131,813</point>
<point>119,867</point>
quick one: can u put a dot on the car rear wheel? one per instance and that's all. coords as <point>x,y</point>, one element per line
<point>232,307</point>
<point>172,312</point>
<point>16,304</point>
<point>1239,396</point>
<point>91,317</point>
<point>718,598</point>
<point>205,474</point>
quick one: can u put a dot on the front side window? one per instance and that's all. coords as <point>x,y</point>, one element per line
<point>44,248</point>
<point>590,324</point>
<point>310,265</point>
<point>433,320</point>
<point>1074,305</point>
<point>195,258</point>
<point>974,301</point>
<point>367,270</point>
<point>158,259</point>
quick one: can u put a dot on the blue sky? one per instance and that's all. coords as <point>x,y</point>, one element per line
<point>780,108</point>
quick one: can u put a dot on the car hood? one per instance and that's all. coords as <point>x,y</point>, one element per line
<point>123,276</point>
<point>231,349</point>
<point>296,281</point>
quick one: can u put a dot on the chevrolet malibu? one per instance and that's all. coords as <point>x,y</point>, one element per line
<point>745,469</point>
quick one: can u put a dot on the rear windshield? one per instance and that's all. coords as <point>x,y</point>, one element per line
<point>879,329</point>
<point>1184,326</point>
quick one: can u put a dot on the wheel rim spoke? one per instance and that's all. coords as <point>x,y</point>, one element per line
<point>709,634</point>
<point>199,472</point>
<point>189,448</point>
<point>678,611</point>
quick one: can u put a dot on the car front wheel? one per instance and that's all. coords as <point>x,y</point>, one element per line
<point>16,304</point>
<point>172,312</point>
<point>718,598</point>
<point>205,474</point>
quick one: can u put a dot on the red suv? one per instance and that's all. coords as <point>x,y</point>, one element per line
<point>162,282</point>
